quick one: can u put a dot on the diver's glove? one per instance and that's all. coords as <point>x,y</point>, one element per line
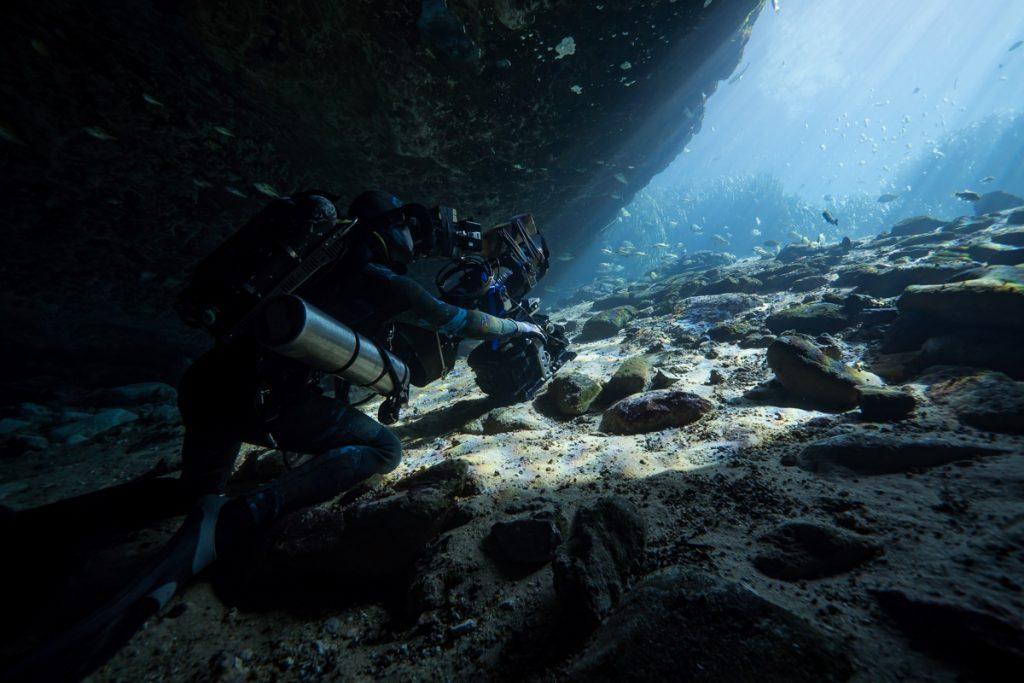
<point>527,329</point>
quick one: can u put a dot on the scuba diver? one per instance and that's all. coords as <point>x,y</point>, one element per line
<point>242,392</point>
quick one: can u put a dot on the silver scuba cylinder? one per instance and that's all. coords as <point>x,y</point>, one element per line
<point>295,328</point>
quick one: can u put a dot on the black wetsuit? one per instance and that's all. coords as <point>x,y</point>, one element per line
<point>244,393</point>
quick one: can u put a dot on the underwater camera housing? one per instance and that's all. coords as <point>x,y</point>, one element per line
<point>512,259</point>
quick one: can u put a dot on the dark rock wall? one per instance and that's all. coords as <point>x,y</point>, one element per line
<point>137,134</point>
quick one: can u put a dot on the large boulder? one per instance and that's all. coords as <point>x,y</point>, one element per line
<point>998,200</point>
<point>653,411</point>
<point>368,542</point>
<point>604,551</point>
<point>916,226</point>
<point>809,375</point>
<point>888,282</point>
<point>678,625</point>
<point>985,302</point>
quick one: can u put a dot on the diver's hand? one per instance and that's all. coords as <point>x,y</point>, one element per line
<point>527,329</point>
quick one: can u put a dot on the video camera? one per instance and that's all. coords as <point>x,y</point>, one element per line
<point>493,272</point>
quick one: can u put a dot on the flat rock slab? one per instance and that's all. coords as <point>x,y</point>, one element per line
<point>681,626</point>
<point>653,411</point>
<point>989,642</point>
<point>801,550</point>
<point>988,400</point>
<point>593,569</point>
<point>809,319</point>
<point>882,454</point>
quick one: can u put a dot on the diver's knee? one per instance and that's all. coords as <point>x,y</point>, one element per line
<point>390,449</point>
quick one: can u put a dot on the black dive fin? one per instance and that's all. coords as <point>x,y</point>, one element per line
<point>92,641</point>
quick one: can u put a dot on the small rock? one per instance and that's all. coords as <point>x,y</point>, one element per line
<point>511,419</point>
<point>730,331</point>
<point>593,568</point>
<point>136,394</point>
<point>332,626</point>
<point>89,427</point>
<point>800,550</point>
<point>664,379</point>
<point>869,454</point>
<point>630,377</point>
<point>462,628</point>
<point>572,393</point>
<point>607,323</point>
<point>715,377</point>
<point>654,410</point>
<point>10,425</point>
<point>530,541</point>
<point>878,403</point>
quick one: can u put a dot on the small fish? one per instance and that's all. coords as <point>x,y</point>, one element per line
<point>968,196</point>
<point>721,240</point>
<point>607,252</point>
<point>916,90</point>
<point>761,251</point>
<point>200,183</point>
<point>987,179</point>
<point>674,224</point>
<point>564,257</point>
<point>829,218</point>
<point>771,244</point>
<point>152,100</point>
<point>888,197</point>
<point>775,6</point>
<point>621,178</point>
<point>757,220</point>
<point>224,131</point>
<point>696,228</point>
<point>1016,45</point>
<point>661,245</point>
<point>795,235</point>
<point>821,238</point>
<point>98,133</point>
<point>235,191</point>
<point>755,232</point>
<point>263,188</point>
